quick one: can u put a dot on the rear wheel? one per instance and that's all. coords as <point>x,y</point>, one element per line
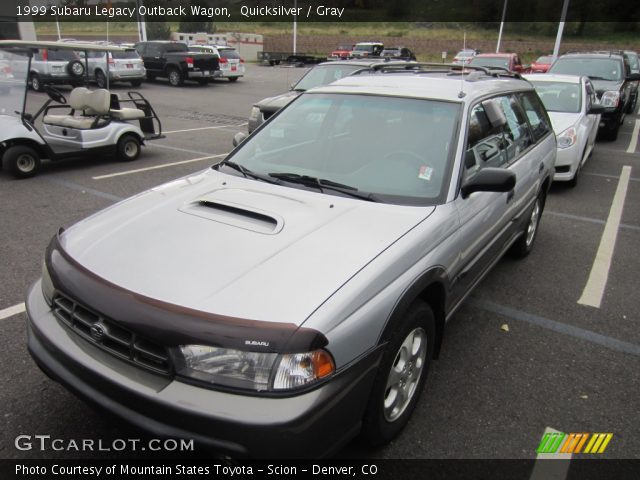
<point>128,148</point>
<point>233,79</point>
<point>22,161</point>
<point>401,375</point>
<point>136,83</point>
<point>101,79</point>
<point>175,77</point>
<point>35,82</point>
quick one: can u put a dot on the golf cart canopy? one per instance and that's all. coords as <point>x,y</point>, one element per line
<point>76,46</point>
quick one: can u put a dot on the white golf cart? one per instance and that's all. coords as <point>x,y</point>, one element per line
<point>94,122</point>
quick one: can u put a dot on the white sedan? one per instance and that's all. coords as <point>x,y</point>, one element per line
<point>575,115</point>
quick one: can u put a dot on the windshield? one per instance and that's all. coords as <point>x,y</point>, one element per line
<point>324,75</point>
<point>364,48</point>
<point>229,53</point>
<point>594,68</point>
<point>13,71</point>
<point>398,149</point>
<point>560,96</point>
<point>501,62</point>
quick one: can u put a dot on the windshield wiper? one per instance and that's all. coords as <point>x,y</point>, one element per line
<point>322,184</point>
<point>248,173</point>
<point>596,78</point>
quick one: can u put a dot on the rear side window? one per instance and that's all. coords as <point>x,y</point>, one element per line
<point>536,114</point>
<point>61,55</point>
<point>484,142</point>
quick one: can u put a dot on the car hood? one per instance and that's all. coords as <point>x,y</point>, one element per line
<point>237,247</point>
<point>562,120</point>
<point>277,102</point>
<point>606,85</point>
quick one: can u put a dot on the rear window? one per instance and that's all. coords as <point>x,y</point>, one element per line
<point>61,55</point>
<point>229,53</point>
<point>500,62</point>
<point>559,96</point>
<point>127,54</point>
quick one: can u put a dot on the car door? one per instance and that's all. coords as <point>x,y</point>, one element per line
<point>484,216</point>
<point>152,57</point>
<point>592,120</point>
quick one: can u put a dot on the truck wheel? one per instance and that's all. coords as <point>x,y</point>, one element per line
<point>175,77</point>
<point>101,79</point>
<point>128,147</point>
<point>401,375</point>
<point>22,161</point>
<point>35,82</point>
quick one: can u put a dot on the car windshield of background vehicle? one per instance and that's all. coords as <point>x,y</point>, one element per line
<point>489,62</point>
<point>398,149</point>
<point>364,48</point>
<point>547,60</point>
<point>229,53</point>
<point>594,68</point>
<point>324,75</point>
<point>560,96</point>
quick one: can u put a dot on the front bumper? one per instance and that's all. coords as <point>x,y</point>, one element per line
<point>567,162</point>
<point>311,424</point>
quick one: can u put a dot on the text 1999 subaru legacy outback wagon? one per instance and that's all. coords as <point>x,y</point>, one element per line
<point>295,294</point>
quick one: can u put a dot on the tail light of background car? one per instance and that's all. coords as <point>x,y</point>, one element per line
<point>189,61</point>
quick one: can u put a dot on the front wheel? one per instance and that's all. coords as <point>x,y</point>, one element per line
<point>22,161</point>
<point>35,82</point>
<point>524,244</point>
<point>101,79</point>
<point>401,375</point>
<point>128,148</point>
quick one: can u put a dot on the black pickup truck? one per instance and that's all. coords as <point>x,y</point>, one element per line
<point>174,61</point>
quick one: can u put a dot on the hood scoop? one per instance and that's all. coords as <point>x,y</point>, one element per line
<point>236,215</point>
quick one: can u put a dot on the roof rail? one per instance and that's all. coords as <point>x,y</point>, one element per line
<point>426,67</point>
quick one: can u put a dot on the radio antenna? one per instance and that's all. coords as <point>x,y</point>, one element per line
<point>464,59</point>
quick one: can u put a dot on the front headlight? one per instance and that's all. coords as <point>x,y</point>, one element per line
<point>610,99</point>
<point>255,114</point>
<point>254,370</point>
<point>47,284</point>
<point>567,138</point>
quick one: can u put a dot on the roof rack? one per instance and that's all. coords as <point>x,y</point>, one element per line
<point>426,67</point>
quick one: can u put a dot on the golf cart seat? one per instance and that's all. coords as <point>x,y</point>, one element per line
<point>126,113</point>
<point>92,103</point>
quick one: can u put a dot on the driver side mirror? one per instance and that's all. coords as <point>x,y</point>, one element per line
<point>495,114</point>
<point>489,179</point>
<point>633,77</point>
<point>238,138</point>
<point>596,108</point>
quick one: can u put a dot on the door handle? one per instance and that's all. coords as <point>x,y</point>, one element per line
<point>541,168</point>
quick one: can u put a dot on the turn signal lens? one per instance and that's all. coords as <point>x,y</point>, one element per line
<point>300,369</point>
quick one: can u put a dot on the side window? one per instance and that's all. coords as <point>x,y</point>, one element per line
<point>590,97</point>
<point>484,142</point>
<point>140,49</point>
<point>536,114</point>
<point>153,50</point>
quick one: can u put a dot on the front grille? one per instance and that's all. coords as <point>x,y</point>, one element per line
<point>104,333</point>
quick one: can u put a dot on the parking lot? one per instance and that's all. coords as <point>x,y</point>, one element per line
<point>521,355</point>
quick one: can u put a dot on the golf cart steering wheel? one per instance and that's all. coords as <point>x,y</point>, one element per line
<point>55,94</point>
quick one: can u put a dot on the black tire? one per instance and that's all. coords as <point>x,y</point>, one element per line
<point>136,83</point>
<point>75,68</point>
<point>101,79</point>
<point>383,419</point>
<point>35,83</point>
<point>574,181</point>
<point>632,105</point>
<point>524,244</point>
<point>21,161</point>
<point>175,77</point>
<point>128,147</point>
<point>233,79</point>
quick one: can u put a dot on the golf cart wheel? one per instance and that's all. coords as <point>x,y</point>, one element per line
<point>233,79</point>
<point>136,83</point>
<point>101,79</point>
<point>128,148</point>
<point>35,82</point>
<point>22,161</point>
<point>75,68</point>
<point>175,77</point>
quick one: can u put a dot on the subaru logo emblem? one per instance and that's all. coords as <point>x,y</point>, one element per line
<point>98,331</point>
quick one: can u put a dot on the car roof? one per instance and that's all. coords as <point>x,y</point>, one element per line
<point>356,62</point>
<point>369,43</point>
<point>613,55</point>
<point>500,55</point>
<point>553,77</point>
<point>437,86</point>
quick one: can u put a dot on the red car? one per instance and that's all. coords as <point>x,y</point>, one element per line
<point>509,61</point>
<point>341,53</point>
<point>542,64</point>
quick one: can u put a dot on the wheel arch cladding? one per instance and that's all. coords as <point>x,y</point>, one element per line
<point>27,142</point>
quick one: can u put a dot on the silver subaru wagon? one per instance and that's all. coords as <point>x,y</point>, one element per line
<point>294,295</point>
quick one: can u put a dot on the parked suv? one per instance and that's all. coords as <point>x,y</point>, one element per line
<point>361,217</point>
<point>124,66</point>
<point>174,61</point>
<point>51,66</point>
<point>367,49</point>
<point>611,76</point>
